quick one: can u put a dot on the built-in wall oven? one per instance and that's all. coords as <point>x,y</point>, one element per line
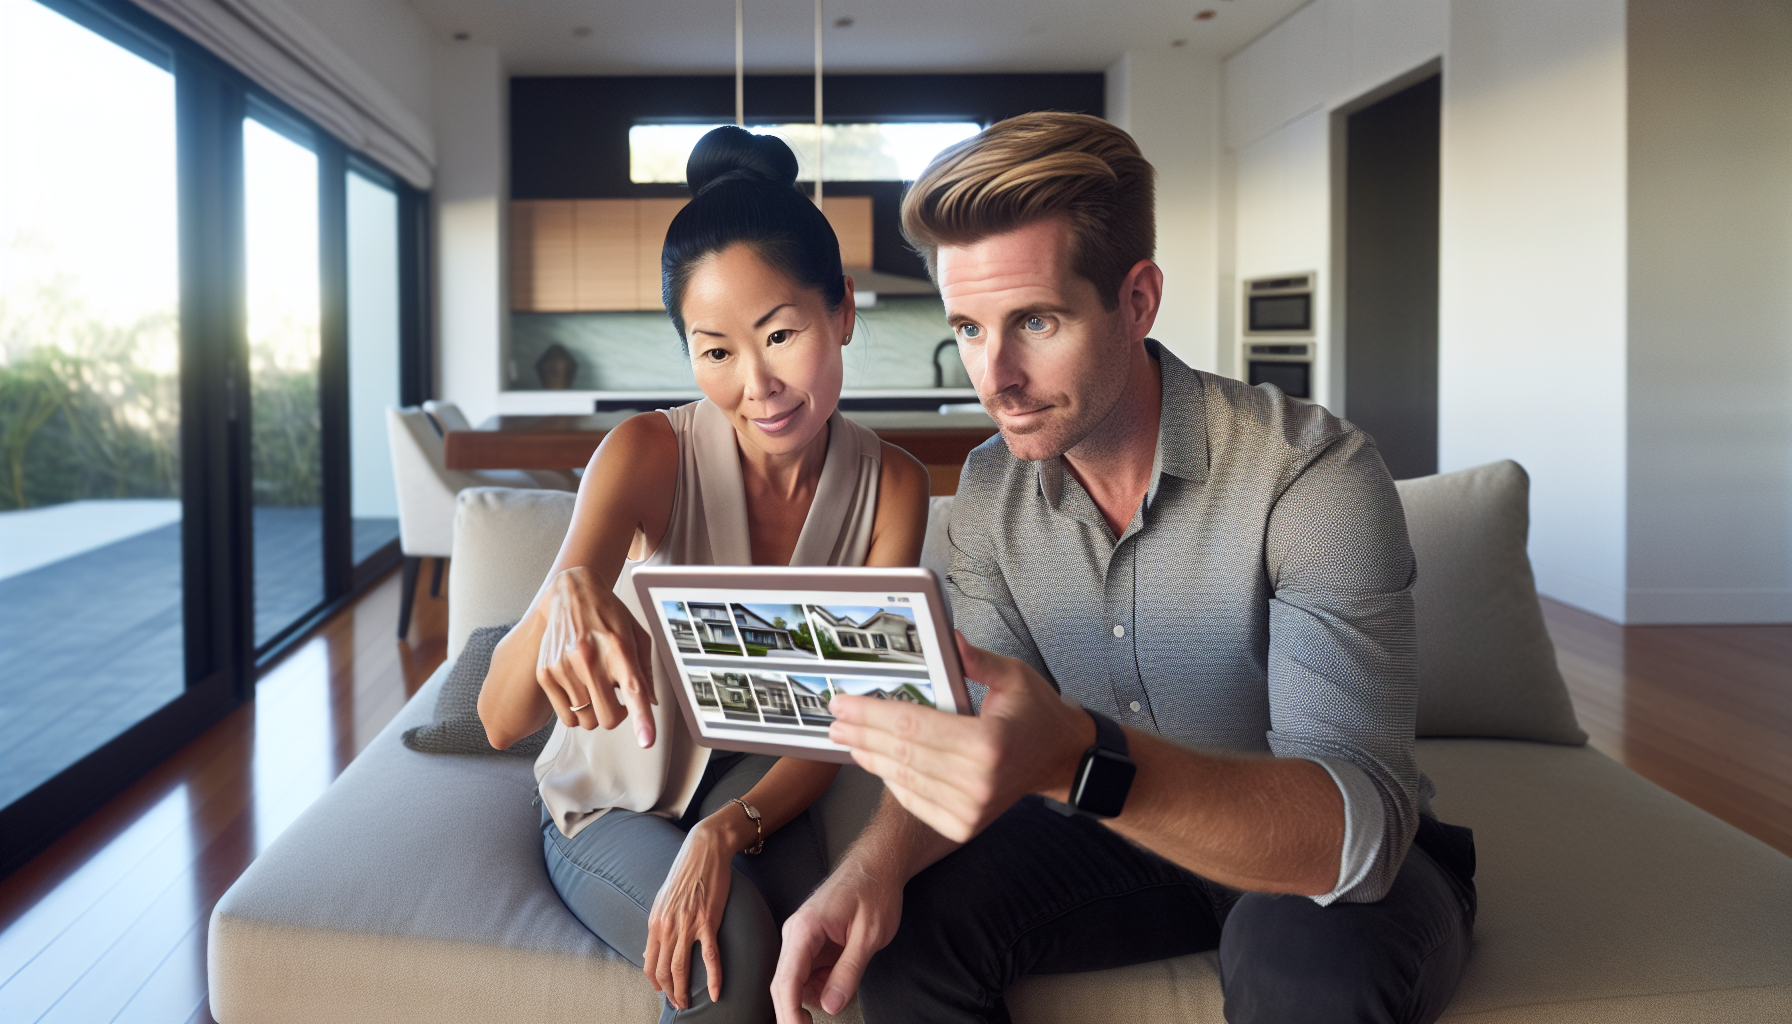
<point>1280,345</point>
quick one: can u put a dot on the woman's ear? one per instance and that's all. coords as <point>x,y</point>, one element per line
<point>849,312</point>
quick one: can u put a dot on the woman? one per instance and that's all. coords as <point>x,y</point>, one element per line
<point>641,827</point>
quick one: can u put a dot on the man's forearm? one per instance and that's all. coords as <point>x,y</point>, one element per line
<point>1260,824</point>
<point>896,845</point>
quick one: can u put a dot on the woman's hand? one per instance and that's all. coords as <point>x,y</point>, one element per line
<point>592,647</point>
<point>689,909</point>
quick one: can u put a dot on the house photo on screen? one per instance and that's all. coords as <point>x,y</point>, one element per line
<point>774,630</point>
<point>858,633</point>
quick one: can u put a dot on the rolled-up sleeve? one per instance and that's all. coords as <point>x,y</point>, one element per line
<point>1343,653</point>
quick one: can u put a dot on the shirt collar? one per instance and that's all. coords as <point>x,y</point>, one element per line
<point>1181,432</point>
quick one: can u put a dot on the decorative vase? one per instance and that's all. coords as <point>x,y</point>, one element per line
<point>556,368</point>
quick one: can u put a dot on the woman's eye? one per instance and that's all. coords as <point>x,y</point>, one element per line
<point>970,332</point>
<point>1038,324</point>
<point>716,355</point>
<point>780,337</point>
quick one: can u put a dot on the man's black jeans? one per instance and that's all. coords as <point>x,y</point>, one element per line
<point>1039,893</point>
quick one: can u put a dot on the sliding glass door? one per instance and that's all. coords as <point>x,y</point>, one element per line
<point>92,636</point>
<point>375,330</point>
<point>206,304</point>
<point>280,219</point>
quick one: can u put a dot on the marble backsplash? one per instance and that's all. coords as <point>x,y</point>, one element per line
<point>891,348</point>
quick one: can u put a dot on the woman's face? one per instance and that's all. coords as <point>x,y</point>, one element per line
<point>765,349</point>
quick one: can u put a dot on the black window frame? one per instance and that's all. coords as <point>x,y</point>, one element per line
<point>221,658</point>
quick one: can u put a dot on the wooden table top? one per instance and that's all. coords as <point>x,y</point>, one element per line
<point>567,442</point>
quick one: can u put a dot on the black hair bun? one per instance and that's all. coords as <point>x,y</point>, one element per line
<point>737,153</point>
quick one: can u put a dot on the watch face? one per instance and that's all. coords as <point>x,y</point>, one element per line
<point>1105,781</point>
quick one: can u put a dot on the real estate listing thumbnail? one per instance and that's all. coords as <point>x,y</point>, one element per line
<point>883,634</point>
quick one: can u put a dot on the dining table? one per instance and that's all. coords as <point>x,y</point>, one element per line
<point>939,440</point>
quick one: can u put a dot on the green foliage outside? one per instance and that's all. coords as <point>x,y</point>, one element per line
<point>84,412</point>
<point>91,409</point>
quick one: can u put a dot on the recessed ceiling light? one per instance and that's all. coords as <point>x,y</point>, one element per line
<point>582,31</point>
<point>845,22</point>
<point>1205,15</point>
<point>461,37</point>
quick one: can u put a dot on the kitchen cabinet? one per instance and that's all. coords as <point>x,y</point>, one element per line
<point>594,255</point>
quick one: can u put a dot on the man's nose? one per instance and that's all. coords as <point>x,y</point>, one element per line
<point>1001,367</point>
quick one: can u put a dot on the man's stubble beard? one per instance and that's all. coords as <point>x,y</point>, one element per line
<point>1105,380</point>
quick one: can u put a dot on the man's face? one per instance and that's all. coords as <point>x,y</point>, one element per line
<point>1049,363</point>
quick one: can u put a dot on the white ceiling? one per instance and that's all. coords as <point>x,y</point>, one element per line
<point>591,37</point>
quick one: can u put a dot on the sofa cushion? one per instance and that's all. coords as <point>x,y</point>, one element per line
<point>455,728</point>
<point>1486,663</point>
<point>505,541</point>
<point>1603,898</point>
<point>414,890</point>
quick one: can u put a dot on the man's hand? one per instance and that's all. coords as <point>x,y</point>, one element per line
<point>831,938</point>
<point>592,650</point>
<point>958,773</point>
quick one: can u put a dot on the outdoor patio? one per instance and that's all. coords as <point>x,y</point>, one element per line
<point>90,618</point>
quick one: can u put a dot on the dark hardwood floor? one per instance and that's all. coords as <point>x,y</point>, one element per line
<point>110,923</point>
<point>1702,711</point>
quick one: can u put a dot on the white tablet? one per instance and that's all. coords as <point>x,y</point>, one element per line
<point>758,651</point>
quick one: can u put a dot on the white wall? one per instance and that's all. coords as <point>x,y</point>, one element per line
<point>1532,289</point>
<point>1279,94</point>
<point>470,93</point>
<point>1710,354</point>
<point>1532,254</point>
<point>1169,100</point>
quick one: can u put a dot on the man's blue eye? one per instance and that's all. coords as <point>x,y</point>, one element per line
<point>970,331</point>
<point>1036,324</point>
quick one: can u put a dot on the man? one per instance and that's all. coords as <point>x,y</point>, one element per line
<point>1221,571</point>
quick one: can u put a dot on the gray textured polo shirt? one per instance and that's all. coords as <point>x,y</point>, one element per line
<point>1259,601</point>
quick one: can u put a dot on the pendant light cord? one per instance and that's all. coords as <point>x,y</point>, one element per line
<point>818,174</point>
<point>740,66</point>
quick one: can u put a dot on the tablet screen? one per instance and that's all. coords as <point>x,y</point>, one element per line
<point>761,665</point>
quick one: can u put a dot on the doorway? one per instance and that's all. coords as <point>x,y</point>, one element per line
<point>1390,280</point>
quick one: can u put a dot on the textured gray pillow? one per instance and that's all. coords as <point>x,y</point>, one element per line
<point>1487,666</point>
<point>457,729</point>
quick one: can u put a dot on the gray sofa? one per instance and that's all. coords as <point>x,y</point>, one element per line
<point>413,890</point>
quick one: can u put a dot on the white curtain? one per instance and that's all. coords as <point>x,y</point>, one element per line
<point>286,55</point>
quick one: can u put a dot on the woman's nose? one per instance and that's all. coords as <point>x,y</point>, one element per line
<point>761,382</point>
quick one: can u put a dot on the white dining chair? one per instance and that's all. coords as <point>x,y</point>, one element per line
<point>426,491</point>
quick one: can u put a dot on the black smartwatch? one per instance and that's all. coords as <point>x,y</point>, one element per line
<point>1104,777</point>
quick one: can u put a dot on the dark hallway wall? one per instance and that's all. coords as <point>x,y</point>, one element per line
<point>1390,286</point>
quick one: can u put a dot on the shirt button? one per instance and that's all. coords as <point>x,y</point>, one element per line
<point>1119,630</point>
<point>1135,707</point>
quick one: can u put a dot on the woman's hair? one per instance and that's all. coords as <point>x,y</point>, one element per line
<point>743,191</point>
<point>1034,167</point>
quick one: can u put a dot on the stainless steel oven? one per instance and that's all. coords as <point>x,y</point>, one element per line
<point>1280,346</point>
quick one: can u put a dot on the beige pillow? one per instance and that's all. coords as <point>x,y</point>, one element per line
<point>1487,666</point>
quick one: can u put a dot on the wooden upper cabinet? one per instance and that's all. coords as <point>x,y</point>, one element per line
<point>604,254</point>
<point>587,255</point>
<point>541,256</point>
<point>654,216</point>
<point>851,218</point>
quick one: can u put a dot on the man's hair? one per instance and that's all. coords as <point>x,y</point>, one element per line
<point>1034,167</point>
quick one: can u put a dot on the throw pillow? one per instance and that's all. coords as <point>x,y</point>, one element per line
<point>1487,666</point>
<point>456,728</point>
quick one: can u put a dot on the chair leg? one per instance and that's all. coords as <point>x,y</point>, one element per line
<point>412,567</point>
<point>435,578</point>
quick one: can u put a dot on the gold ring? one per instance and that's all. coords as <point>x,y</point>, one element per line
<point>583,706</point>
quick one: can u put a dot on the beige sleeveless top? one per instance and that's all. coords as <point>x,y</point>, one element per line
<point>584,773</point>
